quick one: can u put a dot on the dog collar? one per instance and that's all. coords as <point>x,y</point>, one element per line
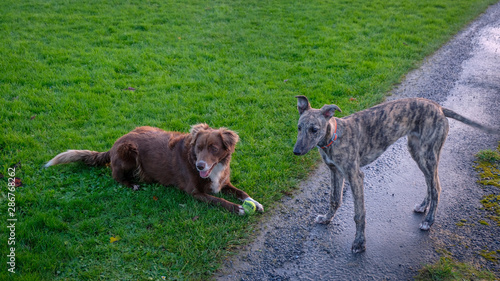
<point>334,137</point>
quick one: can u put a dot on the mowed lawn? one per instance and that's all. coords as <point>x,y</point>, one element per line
<point>80,74</point>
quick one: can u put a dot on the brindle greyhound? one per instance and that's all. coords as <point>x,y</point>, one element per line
<point>351,142</point>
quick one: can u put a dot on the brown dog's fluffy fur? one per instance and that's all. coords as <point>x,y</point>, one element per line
<point>197,163</point>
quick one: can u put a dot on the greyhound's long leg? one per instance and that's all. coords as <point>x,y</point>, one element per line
<point>429,166</point>
<point>435,189</point>
<point>335,195</point>
<point>414,146</point>
<point>425,151</point>
<point>356,181</point>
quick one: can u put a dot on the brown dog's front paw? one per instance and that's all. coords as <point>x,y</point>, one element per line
<point>322,219</point>
<point>241,211</point>
<point>258,206</point>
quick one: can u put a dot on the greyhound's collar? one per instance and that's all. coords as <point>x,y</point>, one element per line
<point>334,137</point>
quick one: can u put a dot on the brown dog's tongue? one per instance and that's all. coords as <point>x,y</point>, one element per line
<point>204,174</point>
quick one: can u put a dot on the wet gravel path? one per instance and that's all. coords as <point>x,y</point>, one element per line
<point>464,75</point>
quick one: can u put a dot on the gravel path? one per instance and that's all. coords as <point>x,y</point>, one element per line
<point>464,75</point>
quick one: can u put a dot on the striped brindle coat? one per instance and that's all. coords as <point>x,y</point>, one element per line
<point>349,143</point>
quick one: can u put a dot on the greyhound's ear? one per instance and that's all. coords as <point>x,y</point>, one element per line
<point>328,110</point>
<point>302,104</point>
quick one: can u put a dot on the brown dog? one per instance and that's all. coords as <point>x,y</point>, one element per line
<point>197,163</point>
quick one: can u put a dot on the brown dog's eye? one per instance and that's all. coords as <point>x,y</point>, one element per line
<point>214,149</point>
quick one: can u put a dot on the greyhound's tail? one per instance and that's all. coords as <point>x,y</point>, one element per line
<point>91,158</point>
<point>452,114</point>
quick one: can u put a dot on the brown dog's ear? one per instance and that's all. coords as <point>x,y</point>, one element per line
<point>229,139</point>
<point>198,127</point>
<point>328,110</point>
<point>195,129</point>
<point>302,104</point>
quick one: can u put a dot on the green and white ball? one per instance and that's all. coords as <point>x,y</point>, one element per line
<point>249,207</point>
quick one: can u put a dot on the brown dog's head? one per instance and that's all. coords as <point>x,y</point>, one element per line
<point>313,124</point>
<point>211,147</point>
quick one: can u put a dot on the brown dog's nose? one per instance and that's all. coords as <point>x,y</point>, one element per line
<point>200,165</point>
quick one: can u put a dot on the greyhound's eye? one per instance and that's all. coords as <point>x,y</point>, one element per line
<point>314,130</point>
<point>300,128</point>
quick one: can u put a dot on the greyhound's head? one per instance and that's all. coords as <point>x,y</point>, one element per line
<point>313,125</point>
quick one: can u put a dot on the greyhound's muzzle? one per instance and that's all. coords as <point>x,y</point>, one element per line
<point>299,149</point>
<point>297,152</point>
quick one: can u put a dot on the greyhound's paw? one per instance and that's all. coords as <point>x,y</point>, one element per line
<point>358,247</point>
<point>419,208</point>
<point>425,226</point>
<point>323,219</point>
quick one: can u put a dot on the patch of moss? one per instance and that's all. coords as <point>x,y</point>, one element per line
<point>488,166</point>
<point>492,256</point>
<point>483,222</point>
<point>449,269</point>
<point>491,203</point>
<point>463,222</point>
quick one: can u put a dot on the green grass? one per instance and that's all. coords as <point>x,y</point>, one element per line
<point>448,269</point>
<point>488,167</point>
<point>65,69</point>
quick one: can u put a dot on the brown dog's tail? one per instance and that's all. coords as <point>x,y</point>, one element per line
<point>91,158</point>
<point>452,114</point>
